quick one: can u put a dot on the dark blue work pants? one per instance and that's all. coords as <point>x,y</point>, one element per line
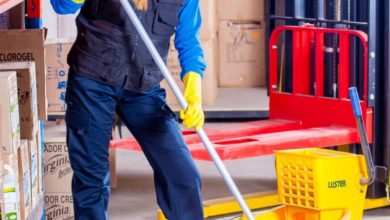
<point>89,119</point>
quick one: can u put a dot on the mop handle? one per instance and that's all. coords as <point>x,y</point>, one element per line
<point>183,103</point>
<point>357,111</point>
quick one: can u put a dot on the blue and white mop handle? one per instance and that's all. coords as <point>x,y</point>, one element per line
<point>357,111</point>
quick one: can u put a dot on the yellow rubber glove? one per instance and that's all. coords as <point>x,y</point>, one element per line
<point>193,116</point>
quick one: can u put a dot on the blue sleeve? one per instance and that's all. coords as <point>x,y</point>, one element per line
<point>187,38</point>
<point>66,6</point>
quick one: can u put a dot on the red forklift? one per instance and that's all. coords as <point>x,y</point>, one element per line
<point>316,51</point>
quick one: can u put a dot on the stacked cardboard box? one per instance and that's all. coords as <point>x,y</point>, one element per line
<point>19,114</point>
<point>57,74</point>
<point>26,83</point>
<point>58,175</point>
<point>208,40</point>
<point>241,43</point>
<point>23,102</point>
<point>10,142</point>
<point>28,117</point>
<point>27,46</point>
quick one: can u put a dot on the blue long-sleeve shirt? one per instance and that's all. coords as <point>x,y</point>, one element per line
<point>186,38</point>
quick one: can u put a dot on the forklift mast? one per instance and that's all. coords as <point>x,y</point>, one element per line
<point>369,16</point>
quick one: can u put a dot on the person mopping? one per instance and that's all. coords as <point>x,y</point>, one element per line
<point>111,72</point>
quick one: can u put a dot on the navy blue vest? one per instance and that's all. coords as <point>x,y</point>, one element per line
<point>108,48</point>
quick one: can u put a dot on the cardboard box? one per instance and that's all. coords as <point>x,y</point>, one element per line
<point>59,206</point>
<point>27,45</point>
<point>24,179</point>
<point>10,126</point>
<point>33,156</point>
<point>58,172</point>
<point>209,82</point>
<point>241,10</point>
<point>242,54</point>
<point>12,198</point>
<point>28,109</point>
<point>209,28</point>
<point>57,74</point>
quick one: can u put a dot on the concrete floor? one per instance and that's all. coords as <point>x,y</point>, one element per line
<point>134,197</point>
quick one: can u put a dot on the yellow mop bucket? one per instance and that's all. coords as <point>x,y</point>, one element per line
<point>320,184</point>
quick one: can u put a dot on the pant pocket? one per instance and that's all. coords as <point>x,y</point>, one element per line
<point>78,121</point>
